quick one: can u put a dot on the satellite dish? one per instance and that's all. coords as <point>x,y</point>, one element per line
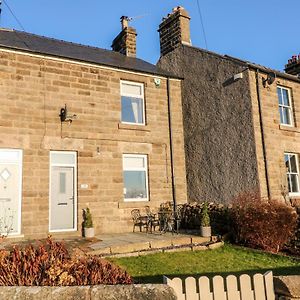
<point>270,79</point>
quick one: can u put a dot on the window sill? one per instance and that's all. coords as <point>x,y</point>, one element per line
<point>289,128</point>
<point>133,127</point>
<point>133,204</point>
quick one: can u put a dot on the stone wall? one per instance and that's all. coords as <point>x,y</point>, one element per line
<point>287,287</point>
<point>278,138</point>
<point>218,126</point>
<point>124,292</point>
<point>35,88</point>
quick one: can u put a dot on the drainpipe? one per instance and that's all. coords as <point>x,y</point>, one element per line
<point>262,133</point>
<point>171,145</point>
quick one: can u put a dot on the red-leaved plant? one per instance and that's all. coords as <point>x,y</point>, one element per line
<point>263,224</point>
<point>50,264</point>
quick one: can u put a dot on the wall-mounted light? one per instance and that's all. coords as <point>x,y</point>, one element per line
<point>269,80</point>
<point>64,117</point>
<point>157,82</point>
<point>237,76</point>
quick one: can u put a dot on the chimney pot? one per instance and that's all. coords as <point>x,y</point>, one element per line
<point>293,65</point>
<point>125,42</point>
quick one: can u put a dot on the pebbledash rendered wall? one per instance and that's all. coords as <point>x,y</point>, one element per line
<point>35,88</point>
<point>218,124</point>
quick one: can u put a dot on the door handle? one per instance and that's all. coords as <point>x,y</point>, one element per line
<point>71,198</point>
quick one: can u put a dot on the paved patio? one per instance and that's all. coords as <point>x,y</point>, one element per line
<point>124,243</point>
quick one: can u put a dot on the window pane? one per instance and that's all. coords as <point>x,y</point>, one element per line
<point>62,158</point>
<point>294,183</point>
<point>287,165</point>
<point>132,89</point>
<point>293,163</point>
<point>279,95</point>
<point>62,183</point>
<point>132,110</point>
<point>285,97</point>
<point>133,162</point>
<point>286,116</point>
<point>135,185</point>
<point>281,115</point>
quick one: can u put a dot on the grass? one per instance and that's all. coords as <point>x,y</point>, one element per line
<point>226,260</point>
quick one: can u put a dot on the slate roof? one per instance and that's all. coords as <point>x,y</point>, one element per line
<point>20,40</point>
<point>248,64</point>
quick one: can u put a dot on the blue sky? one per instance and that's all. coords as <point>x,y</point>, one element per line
<point>261,31</point>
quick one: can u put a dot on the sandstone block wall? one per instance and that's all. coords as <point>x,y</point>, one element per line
<point>34,89</point>
<point>278,138</point>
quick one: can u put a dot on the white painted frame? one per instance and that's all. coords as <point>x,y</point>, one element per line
<point>142,97</point>
<point>293,173</point>
<point>20,164</point>
<point>74,153</point>
<point>145,157</point>
<point>288,107</point>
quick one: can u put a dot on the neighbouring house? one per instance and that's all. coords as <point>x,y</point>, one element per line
<point>241,120</point>
<point>85,127</point>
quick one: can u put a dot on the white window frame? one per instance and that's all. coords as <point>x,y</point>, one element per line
<point>288,107</point>
<point>142,97</point>
<point>53,164</point>
<point>293,173</point>
<point>145,157</point>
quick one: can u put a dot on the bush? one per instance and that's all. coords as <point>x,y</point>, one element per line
<point>293,247</point>
<point>218,213</point>
<point>50,264</point>
<point>262,224</point>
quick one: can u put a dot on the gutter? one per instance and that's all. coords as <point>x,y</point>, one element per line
<point>262,132</point>
<point>171,146</point>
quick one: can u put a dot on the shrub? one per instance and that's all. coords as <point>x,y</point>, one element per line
<point>263,224</point>
<point>205,219</point>
<point>218,213</point>
<point>88,220</point>
<point>50,264</point>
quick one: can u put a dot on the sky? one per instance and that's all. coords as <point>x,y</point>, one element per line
<point>261,31</point>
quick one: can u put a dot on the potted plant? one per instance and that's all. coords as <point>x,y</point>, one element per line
<point>89,231</point>
<point>205,228</point>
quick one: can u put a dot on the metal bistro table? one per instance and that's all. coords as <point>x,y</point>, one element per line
<point>166,220</point>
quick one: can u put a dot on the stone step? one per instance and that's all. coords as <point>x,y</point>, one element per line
<point>173,242</point>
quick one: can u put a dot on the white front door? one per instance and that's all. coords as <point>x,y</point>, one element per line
<point>62,191</point>
<point>10,191</point>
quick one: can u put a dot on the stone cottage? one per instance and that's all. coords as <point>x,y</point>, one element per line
<point>85,127</point>
<point>241,120</point>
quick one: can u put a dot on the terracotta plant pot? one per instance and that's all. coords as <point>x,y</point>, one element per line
<point>89,233</point>
<point>205,231</point>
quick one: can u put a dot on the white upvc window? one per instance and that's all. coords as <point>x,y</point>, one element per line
<point>285,106</point>
<point>135,177</point>
<point>132,103</point>
<point>292,173</point>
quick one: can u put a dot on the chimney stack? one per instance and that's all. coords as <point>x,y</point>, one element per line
<point>125,42</point>
<point>174,30</point>
<point>293,66</point>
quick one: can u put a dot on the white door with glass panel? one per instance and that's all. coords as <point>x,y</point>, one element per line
<point>62,191</point>
<point>10,191</point>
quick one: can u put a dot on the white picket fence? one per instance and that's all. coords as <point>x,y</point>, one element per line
<point>257,287</point>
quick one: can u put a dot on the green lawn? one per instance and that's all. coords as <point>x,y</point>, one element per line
<point>226,260</point>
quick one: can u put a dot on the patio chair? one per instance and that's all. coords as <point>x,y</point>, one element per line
<point>138,220</point>
<point>153,220</point>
